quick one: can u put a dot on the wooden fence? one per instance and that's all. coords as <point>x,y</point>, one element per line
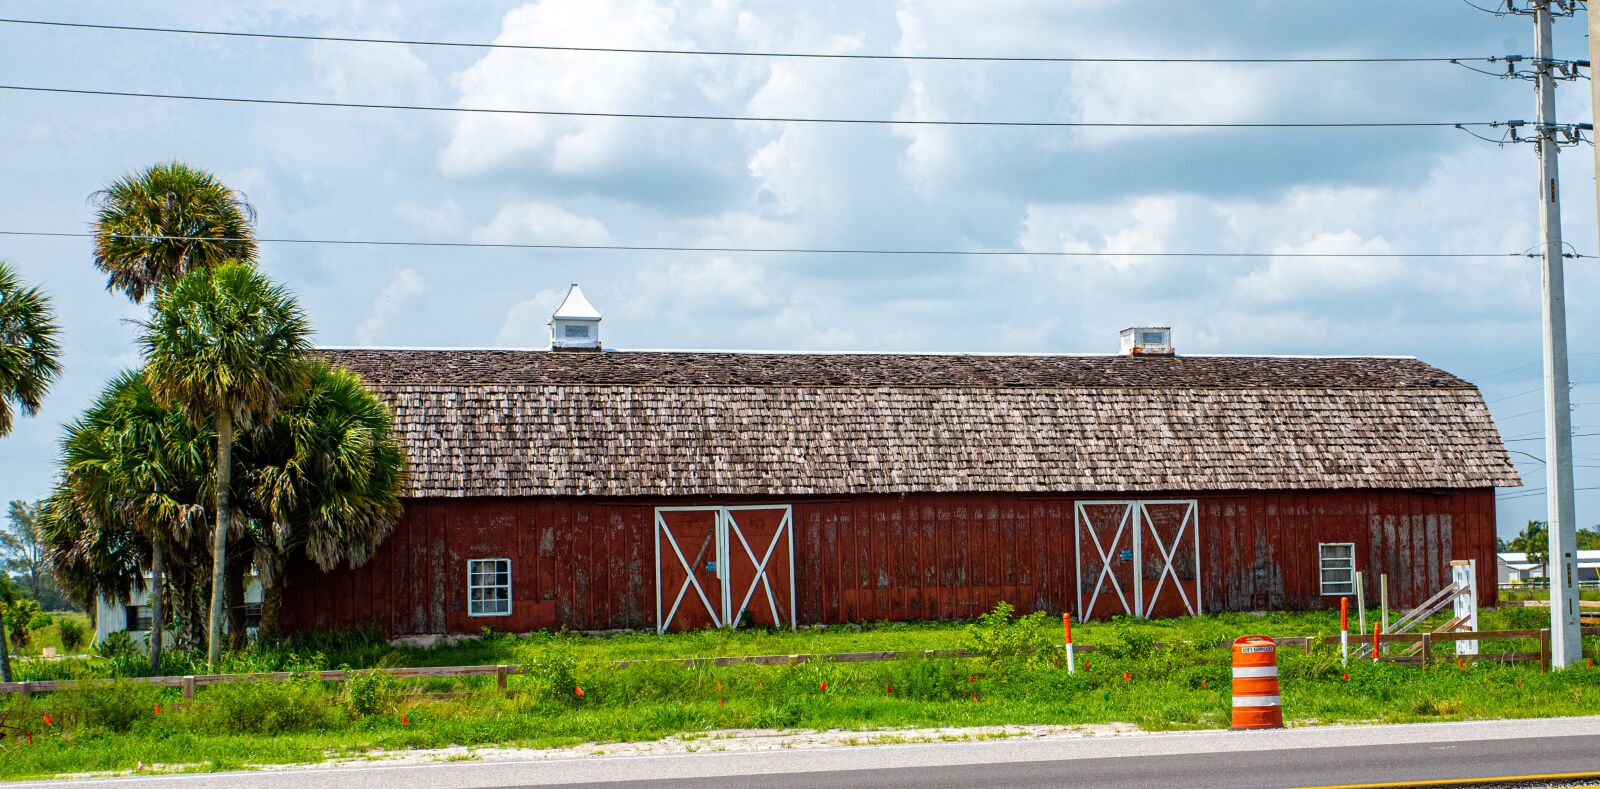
<point>501,672</point>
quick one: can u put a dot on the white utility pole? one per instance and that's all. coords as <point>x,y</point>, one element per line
<point>1594,91</point>
<point>1566,645</point>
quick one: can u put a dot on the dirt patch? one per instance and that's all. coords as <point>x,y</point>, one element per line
<point>729,741</point>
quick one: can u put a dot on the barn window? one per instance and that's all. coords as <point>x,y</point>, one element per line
<point>138,618</point>
<point>1338,560</point>
<point>488,587</point>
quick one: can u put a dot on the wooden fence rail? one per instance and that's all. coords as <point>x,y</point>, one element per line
<point>501,672</point>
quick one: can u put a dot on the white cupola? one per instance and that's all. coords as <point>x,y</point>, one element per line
<point>1147,341</point>
<point>575,326</point>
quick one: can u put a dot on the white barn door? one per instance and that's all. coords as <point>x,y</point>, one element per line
<point>1138,558</point>
<point>716,565</point>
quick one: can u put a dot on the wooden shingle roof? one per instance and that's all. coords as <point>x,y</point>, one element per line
<point>535,423</point>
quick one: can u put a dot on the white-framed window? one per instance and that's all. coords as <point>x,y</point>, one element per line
<point>138,618</point>
<point>488,587</point>
<point>1337,562</point>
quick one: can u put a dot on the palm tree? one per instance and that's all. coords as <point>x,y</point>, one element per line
<point>324,479</point>
<point>1533,540</point>
<point>155,226</point>
<point>226,347</point>
<point>8,597</point>
<point>29,364</point>
<point>132,465</point>
<point>29,349</point>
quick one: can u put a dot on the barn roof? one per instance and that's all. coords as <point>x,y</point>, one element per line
<point>534,423</point>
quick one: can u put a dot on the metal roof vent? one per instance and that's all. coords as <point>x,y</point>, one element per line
<point>575,326</point>
<point>1147,341</point>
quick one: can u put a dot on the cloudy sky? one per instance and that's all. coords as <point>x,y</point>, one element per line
<point>386,175</point>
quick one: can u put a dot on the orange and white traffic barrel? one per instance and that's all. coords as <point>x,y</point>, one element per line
<point>1256,704</point>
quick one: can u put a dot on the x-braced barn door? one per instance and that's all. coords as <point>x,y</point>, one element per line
<point>715,565</point>
<point>1138,557</point>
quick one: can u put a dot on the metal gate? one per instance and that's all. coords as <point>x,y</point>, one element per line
<point>1138,557</point>
<point>714,565</point>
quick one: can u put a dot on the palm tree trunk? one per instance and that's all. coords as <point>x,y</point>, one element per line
<point>235,577</point>
<point>158,608</point>
<point>5,653</point>
<point>219,539</point>
<point>271,596</point>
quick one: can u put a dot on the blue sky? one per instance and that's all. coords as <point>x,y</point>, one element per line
<point>435,177</point>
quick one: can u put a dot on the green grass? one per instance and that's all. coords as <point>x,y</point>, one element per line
<point>50,635</point>
<point>115,727</point>
<point>1543,593</point>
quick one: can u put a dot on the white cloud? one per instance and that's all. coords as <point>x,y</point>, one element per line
<point>369,74</point>
<point>390,305</point>
<point>484,145</point>
<point>441,221</point>
<point>526,324</point>
<point>536,222</point>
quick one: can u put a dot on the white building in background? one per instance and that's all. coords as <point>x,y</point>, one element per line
<point>1515,568</point>
<point>134,617</point>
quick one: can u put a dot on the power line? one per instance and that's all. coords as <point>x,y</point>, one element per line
<point>754,118</point>
<point>1523,367</point>
<point>1524,413</point>
<point>1529,494</point>
<point>733,53</point>
<point>792,250</point>
<point>1512,397</point>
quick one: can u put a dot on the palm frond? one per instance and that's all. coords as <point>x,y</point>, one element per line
<point>30,348</point>
<point>155,226</point>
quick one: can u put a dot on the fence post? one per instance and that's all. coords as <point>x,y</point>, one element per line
<point>1361,601</point>
<point>188,688</point>
<point>1383,599</point>
<point>1427,648</point>
<point>24,689</point>
<point>500,677</point>
<point>1544,649</point>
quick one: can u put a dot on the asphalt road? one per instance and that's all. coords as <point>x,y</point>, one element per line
<point>1279,759</point>
<point>1303,767</point>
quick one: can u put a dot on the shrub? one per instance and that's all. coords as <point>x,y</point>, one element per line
<point>116,644</point>
<point>999,637</point>
<point>930,680</point>
<point>368,693</point>
<point>1130,643</point>
<point>73,634</point>
<point>267,707</point>
<point>113,706</point>
<point>20,617</point>
<point>553,674</point>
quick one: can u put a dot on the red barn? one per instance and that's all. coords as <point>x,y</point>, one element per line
<point>669,490</point>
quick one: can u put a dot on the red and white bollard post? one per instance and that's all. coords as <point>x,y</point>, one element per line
<point>1066,633</point>
<point>1377,641</point>
<point>1344,630</point>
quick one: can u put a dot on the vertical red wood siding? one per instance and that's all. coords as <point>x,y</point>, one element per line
<point>590,564</point>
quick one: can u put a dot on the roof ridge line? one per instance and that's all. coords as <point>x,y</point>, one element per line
<point>780,352</point>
